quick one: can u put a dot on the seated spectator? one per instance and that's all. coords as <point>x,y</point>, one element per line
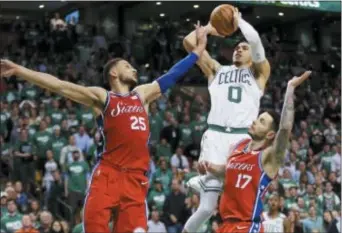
<point>163,149</point>
<point>35,208</point>
<point>27,226</point>
<point>312,222</point>
<point>22,198</point>
<point>45,219</point>
<point>157,195</point>
<point>155,225</point>
<point>179,161</point>
<point>13,220</point>
<point>3,204</point>
<point>174,207</point>
<point>56,227</point>
<point>330,224</point>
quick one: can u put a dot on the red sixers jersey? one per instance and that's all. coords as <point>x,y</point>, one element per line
<point>125,130</point>
<point>245,185</point>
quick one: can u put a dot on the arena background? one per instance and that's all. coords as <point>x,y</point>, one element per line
<point>297,35</point>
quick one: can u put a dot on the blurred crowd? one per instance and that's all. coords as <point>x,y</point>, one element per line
<point>49,144</point>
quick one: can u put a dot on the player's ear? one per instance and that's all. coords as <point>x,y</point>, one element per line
<point>270,135</point>
<point>113,72</point>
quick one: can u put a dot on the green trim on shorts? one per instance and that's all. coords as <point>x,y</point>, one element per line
<point>230,130</point>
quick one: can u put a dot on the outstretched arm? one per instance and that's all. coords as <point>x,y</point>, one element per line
<point>150,92</point>
<point>94,97</point>
<point>207,64</point>
<point>273,158</point>
<point>260,63</point>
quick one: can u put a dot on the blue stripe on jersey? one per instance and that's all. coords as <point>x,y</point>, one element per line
<point>100,124</point>
<point>255,228</point>
<point>258,207</point>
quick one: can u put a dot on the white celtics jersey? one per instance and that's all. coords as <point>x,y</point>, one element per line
<point>275,225</point>
<point>235,98</point>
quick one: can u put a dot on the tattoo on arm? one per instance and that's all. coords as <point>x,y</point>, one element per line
<point>285,127</point>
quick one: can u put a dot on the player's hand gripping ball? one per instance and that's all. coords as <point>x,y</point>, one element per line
<point>224,19</point>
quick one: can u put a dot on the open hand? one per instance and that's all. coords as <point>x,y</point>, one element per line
<point>237,16</point>
<point>7,68</point>
<point>201,34</point>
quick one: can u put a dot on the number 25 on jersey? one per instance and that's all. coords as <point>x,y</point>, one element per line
<point>243,181</point>
<point>138,123</point>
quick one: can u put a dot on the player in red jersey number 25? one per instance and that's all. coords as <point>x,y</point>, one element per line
<point>251,166</point>
<point>119,183</point>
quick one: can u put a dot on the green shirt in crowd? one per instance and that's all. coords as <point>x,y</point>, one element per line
<point>185,134</point>
<point>57,143</point>
<point>157,198</point>
<point>198,129</point>
<point>156,125</point>
<point>77,176</point>
<point>57,116</point>
<point>29,93</point>
<point>42,143</point>
<point>288,183</point>
<point>165,178</point>
<point>86,116</point>
<point>163,151</point>
<point>11,223</point>
<point>11,96</point>
<point>78,228</point>
<point>326,160</point>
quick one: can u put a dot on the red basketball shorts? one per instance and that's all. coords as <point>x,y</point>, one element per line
<point>240,227</point>
<point>115,195</point>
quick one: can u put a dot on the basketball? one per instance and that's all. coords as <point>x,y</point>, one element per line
<point>222,19</point>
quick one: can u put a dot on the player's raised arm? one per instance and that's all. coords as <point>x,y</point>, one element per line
<point>94,97</point>
<point>260,63</point>
<point>150,92</point>
<point>208,65</point>
<point>273,158</point>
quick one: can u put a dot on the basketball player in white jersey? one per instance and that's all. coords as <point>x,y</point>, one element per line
<point>273,220</point>
<point>235,92</point>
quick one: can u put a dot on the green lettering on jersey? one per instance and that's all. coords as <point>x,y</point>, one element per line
<point>234,94</point>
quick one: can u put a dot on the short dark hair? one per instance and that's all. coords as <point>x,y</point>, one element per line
<point>243,40</point>
<point>276,119</point>
<point>111,63</point>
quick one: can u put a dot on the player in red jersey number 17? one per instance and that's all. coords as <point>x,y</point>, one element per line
<point>251,166</point>
<point>119,183</point>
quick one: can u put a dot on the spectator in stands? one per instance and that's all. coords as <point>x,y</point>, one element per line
<point>155,225</point>
<point>67,151</point>
<point>83,140</point>
<point>179,161</point>
<point>56,191</point>
<point>50,167</point>
<point>77,174</point>
<point>24,158</point>
<point>11,222</point>
<point>174,208</point>
<point>35,208</point>
<point>312,222</point>
<point>330,224</point>
<point>22,198</point>
<point>27,226</point>
<point>57,227</point>
<point>157,196</point>
<point>3,204</point>
<point>42,143</point>
<point>58,141</point>
<point>46,219</point>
